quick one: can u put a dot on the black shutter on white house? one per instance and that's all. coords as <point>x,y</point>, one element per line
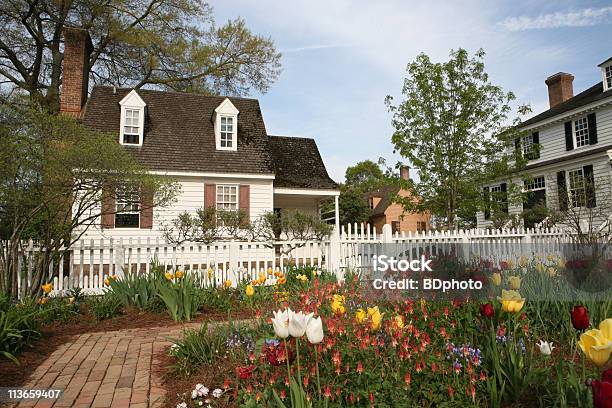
<point>562,190</point>
<point>517,144</point>
<point>535,149</point>
<point>569,136</point>
<point>592,124</point>
<point>487,199</point>
<point>589,180</point>
<point>504,197</point>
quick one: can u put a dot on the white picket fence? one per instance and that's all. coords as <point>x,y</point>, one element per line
<point>87,263</point>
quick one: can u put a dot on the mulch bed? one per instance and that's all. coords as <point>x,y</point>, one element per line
<point>56,334</point>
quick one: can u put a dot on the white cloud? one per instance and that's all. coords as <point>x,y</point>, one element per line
<point>307,48</point>
<point>581,18</point>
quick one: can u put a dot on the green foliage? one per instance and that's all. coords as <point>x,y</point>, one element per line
<point>197,347</point>
<point>137,290</point>
<point>106,306</point>
<point>452,114</point>
<point>172,44</point>
<point>366,176</point>
<point>181,297</point>
<point>18,328</point>
<point>353,206</point>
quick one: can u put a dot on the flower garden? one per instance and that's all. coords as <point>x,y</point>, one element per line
<point>305,339</point>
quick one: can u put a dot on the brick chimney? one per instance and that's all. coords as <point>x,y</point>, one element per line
<point>560,88</point>
<point>75,75</point>
<point>405,173</point>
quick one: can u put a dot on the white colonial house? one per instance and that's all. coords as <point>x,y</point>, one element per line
<point>216,147</point>
<point>574,138</point>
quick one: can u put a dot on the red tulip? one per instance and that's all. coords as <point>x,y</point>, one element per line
<point>486,310</point>
<point>580,317</point>
<point>602,390</point>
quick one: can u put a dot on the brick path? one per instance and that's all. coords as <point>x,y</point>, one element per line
<point>107,369</point>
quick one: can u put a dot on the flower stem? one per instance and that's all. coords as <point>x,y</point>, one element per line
<point>297,349</point>
<point>288,371</point>
<point>317,365</point>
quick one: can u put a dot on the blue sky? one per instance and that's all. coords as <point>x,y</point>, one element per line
<point>341,58</point>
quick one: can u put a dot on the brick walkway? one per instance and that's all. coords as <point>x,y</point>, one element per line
<point>108,369</point>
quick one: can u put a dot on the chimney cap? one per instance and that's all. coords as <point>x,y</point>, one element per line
<point>558,76</point>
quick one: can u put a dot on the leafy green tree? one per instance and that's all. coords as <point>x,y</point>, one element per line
<point>353,205</point>
<point>53,171</point>
<point>454,126</point>
<point>365,176</point>
<point>172,44</point>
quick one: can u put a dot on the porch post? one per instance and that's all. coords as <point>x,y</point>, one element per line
<point>337,213</point>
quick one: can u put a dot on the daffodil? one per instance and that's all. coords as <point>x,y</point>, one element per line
<point>210,273</point>
<point>514,282</point>
<point>523,262</point>
<point>47,288</point>
<point>496,279</point>
<point>511,301</point>
<point>169,275</point>
<point>179,274</point>
<point>281,280</point>
<point>552,272</point>
<point>227,284</point>
<point>249,291</point>
<point>540,267</point>
<point>261,278</point>
<point>550,258</point>
<point>337,305</point>
<point>360,316</point>
<point>376,319</point>
<point>106,281</point>
<point>302,277</point>
<point>270,271</point>
<point>596,343</point>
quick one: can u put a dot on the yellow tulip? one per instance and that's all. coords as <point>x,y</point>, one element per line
<point>337,304</point>
<point>523,262</point>
<point>514,282</point>
<point>496,279</point>
<point>399,321</point>
<point>179,274</point>
<point>250,291</point>
<point>550,258</point>
<point>539,267</point>
<point>106,281</point>
<point>210,273</point>
<point>302,277</point>
<point>373,310</point>
<point>270,271</point>
<point>47,288</point>
<point>511,301</point>
<point>606,328</point>
<point>227,284</point>
<point>376,319</point>
<point>360,316</point>
<point>596,345</point>
<point>552,272</point>
<point>561,263</point>
<point>169,275</point>
<point>71,300</point>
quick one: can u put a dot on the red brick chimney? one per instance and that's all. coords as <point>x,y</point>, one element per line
<point>560,88</point>
<point>75,75</point>
<point>405,172</point>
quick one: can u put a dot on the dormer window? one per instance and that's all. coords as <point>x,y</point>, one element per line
<point>606,74</point>
<point>226,126</point>
<point>132,119</point>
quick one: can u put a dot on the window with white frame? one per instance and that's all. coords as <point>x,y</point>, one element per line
<point>227,197</point>
<point>227,132</point>
<point>608,75</point>
<point>131,126</point>
<point>127,209</point>
<point>536,183</point>
<point>581,132</point>
<point>527,144</point>
<point>576,188</point>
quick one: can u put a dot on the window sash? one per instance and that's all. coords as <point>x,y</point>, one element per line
<point>227,197</point>
<point>127,208</point>
<point>527,144</point>
<point>227,132</point>
<point>576,188</point>
<point>581,132</point>
<point>536,183</point>
<point>609,76</point>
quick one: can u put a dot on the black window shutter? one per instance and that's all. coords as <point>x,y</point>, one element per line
<point>517,143</point>
<point>562,190</point>
<point>592,122</point>
<point>569,136</point>
<point>504,197</point>
<point>535,150</point>
<point>590,186</point>
<point>487,199</point>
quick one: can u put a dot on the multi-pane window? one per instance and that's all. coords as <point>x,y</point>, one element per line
<point>577,188</point>
<point>581,132</point>
<point>127,209</point>
<point>527,144</point>
<point>227,197</point>
<point>609,76</point>
<point>131,126</point>
<point>536,183</point>
<point>421,226</point>
<point>227,131</point>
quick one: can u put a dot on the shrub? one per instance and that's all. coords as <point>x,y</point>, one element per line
<point>179,296</point>
<point>19,326</point>
<point>136,291</point>
<point>197,347</point>
<point>105,307</point>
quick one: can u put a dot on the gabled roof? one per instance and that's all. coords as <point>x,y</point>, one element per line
<point>298,164</point>
<point>385,194</point>
<point>179,132</point>
<point>593,94</point>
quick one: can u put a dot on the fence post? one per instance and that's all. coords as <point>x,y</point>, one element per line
<point>333,262</point>
<point>119,255</point>
<point>387,234</point>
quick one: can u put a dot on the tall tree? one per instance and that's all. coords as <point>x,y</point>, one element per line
<point>365,175</point>
<point>163,43</point>
<point>454,126</point>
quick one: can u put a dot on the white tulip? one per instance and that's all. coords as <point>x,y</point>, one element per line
<point>280,321</point>
<point>314,330</point>
<point>297,323</point>
<point>546,348</point>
